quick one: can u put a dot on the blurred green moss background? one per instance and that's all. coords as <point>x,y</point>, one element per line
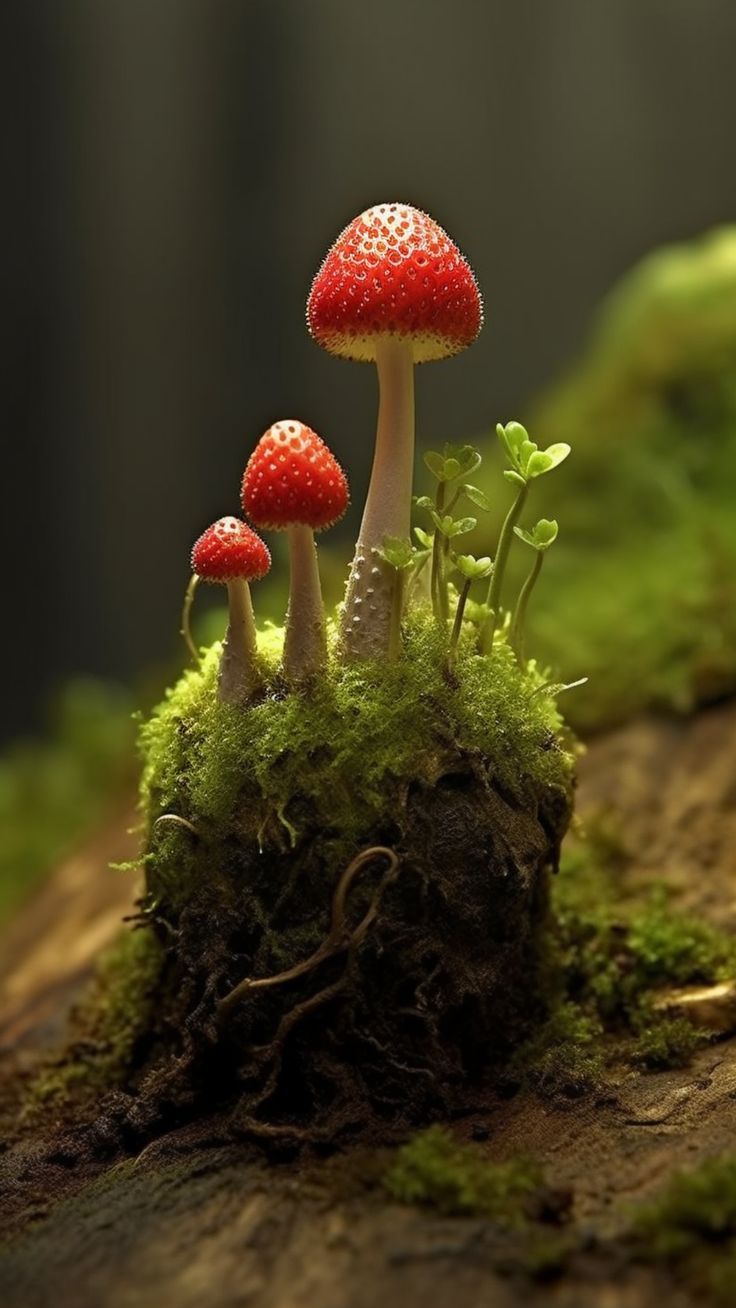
<point>639,594</point>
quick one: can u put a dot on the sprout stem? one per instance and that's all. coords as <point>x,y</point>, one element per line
<point>457,626</point>
<point>238,675</point>
<point>518,622</point>
<point>305,642</point>
<point>186,629</point>
<point>418,583</point>
<point>499,567</point>
<point>366,620</point>
<point>397,609</point>
<point>437,544</point>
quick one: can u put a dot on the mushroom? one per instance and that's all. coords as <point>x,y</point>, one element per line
<point>294,483</point>
<point>393,290</point>
<point>230,553</point>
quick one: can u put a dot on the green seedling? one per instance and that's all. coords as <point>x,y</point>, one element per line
<point>455,462</point>
<point>539,539</point>
<point>470,569</point>
<point>527,463</point>
<point>403,557</point>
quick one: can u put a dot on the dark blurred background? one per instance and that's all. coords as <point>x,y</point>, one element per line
<point>173,173</point>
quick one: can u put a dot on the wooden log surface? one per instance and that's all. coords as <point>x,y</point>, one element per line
<point>197,1220</point>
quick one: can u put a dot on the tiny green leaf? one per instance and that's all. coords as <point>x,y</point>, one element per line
<point>528,448</point>
<point>478,497</point>
<point>424,538</point>
<point>436,464</point>
<point>513,436</point>
<point>539,462</point>
<point>557,453</point>
<point>526,536</point>
<point>471,568</point>
<point>450,526</point>
<point>515,477</point>
<point>541,536</point>
<point>443,522</point>
<point>398,552</point>
<point>424,501</point>
<point>545,532</point>
<point>465,456</point>
<point>461,526</point>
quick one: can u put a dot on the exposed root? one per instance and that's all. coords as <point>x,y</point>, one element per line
<point>339,937</point>
<point>318,996</point>
<point>179,822</point>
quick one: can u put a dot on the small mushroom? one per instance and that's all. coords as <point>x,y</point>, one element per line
<point>230,553</point>
<point>294,483</point>
<point>393,290</point>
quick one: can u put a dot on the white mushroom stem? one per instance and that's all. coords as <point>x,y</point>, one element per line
<point>305,643</point>
<point>239,679</point>
<point>366,619</point>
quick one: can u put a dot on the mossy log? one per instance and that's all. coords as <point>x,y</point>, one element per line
<point>197,1216</point>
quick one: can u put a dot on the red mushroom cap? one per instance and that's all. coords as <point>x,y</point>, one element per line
<point>394,271</point>
<point>292,479</point>
<point>229,550</point>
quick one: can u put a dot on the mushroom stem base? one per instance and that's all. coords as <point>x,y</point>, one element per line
<point>365,630</point>
<point>238,678</point>
<point>305,643</point>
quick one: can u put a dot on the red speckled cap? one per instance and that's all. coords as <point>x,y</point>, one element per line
<point>292,479</point>
<point>394,272</point>
<point>229,550</point>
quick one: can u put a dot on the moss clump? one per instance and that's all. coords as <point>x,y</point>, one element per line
<point>564,1056</point>
<point>434,1170</point>
<point>346,752</point>
<point>111,1027</point>
<point>616,955</point>
<point>666,1042</point>
<point>691,1227</point>
<point>609,956</point>
<point>399,1008</point>
<point>668,947</point>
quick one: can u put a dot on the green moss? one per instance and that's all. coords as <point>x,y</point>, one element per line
<point>691,1227</point>
<point>564,1055</point>
<point>616,953</point>
<point>434,1170</point>
<point>609,956</point>
<point>344,755</point>
<point>695,1206</point>
<point>666,1042</point>
<point>53,791</point>
<point>117,1013</point>
<point>639,593</point>
<point>676,948</point>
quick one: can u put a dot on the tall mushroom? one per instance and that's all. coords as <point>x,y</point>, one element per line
<point>393,290</point>
<point>230,553</point>
<point>294,483</point>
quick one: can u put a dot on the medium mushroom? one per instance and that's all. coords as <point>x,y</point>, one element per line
<point>230,553</point>
<point>393,290</point>
<point>294,483</point>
